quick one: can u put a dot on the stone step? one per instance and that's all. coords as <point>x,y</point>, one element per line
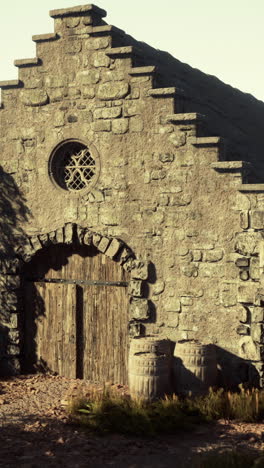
<point>206,141</point>
<point>142,71</point>
<point>80,10</point>
<point>106,29</point>
<point>185,117</point>
<point>164,92</point>
<point>27,62</point>
<point>251,188</point>
<point>45,37</point>
<point>120,51</point>
<point>231,166</point>
<point>11,84</point>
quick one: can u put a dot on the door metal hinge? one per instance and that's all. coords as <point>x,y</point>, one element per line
<point>78,282</point>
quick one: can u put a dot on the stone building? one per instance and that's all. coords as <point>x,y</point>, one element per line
<point>132,203</point>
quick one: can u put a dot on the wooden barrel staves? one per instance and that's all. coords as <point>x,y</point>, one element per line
<point>194,368</point>
<point>149,368</point>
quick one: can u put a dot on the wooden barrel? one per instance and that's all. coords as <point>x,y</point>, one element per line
<point>150,344</point>
<point>194,368</point>
<point>149,368</point>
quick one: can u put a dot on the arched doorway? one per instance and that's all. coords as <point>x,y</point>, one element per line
<point>75,313</point>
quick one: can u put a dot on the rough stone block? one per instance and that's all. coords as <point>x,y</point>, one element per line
<point>103,244</point>
<point>57,94</point>
<point>135,288</point>
<point>164,199</point>
<point>88,77</point>
<point>247,293</point>
<point>244,275</point>
<point>74,92</point>
<point>139,309</point>
<point>99,59</point>
<point>59,119</point>
<point>158,174</point>
<point>88,92</point>
<point>87,238</point>
<point>257,314</point>
<point>213,255</point>
<point>97,43</point>
<point>248,349</point>
<point>108,113</point>
<point>34,97</point>
<point>243,329</point>
<point>172,304</point>
<point>136,124</point>
<point>247,243</point>
<point>101,126</point>
<point>96,196</point>
<point>131,108</point>
<point>135,329</point>
<point>60,236</point>
<point>56,81</point>
<point>254,270</point>
<point>68,233</point>
<point>113,248</point>
<point>180,199</point>
<point>96,239</point>
<point>228,294</point>
<point>112,75</point>
<point>186,301</point>
<point>196,255</point>
<point>125,256</point>
<point>120,126</point>
<point>172,319</point>
<point>139,269</point>
<point>113,90</point>
<point>190,270</point>
<point>73,46</point>
<point>244,219</point>
<point>33,83</point>
<point>158,288</point>
<point>242,262</point>
<point>166,157</point>
<point>257,219</point>
<point>257,332</point>
<point>178,139</point>
<point>72,21</point>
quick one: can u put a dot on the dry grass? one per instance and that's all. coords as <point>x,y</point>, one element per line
<point>110,412</point>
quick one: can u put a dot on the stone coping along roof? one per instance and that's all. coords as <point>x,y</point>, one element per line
<point>78,11</point>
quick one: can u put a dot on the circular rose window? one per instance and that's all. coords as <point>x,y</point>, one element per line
<point>73,166</point>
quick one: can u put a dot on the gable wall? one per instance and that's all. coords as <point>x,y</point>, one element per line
<point>163,188</point>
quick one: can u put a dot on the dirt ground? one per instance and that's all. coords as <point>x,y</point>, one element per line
<point>35,432</point>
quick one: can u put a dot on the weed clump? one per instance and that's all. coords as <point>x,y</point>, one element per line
<point>110,412</point>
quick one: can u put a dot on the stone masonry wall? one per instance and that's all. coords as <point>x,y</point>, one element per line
<point>164,188</point>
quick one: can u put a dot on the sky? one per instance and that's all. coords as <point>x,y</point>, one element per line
<point>222,38</point>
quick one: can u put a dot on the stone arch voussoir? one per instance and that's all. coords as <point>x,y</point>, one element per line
<point>112,247</point>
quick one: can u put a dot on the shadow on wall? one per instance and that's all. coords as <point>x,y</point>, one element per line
<point>233,370</point>
<point>13,213</point>
<point>230,113</point>
<point>229,372</point>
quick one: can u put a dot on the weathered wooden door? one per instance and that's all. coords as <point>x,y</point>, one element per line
<point>76,314</point>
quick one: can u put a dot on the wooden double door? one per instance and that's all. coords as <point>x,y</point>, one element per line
<point>75,317</point>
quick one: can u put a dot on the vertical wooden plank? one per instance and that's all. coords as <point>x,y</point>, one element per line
<point>89,333</point>
<point>105,323</point>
